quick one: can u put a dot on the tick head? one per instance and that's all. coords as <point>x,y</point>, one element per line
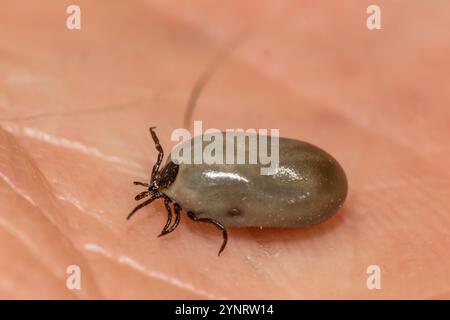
<point>152,188</point>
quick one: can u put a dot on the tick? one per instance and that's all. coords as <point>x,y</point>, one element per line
<point>308,188</point>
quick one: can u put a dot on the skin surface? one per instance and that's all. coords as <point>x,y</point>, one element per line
<point>307,189</point>
<point>76,107</point>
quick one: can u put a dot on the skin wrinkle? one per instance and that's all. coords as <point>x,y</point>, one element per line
<point>82,112</point>
<point>17,190</point>
<point>173,281</point>
<point>21,192</point>
<point>131,167</point>
<point>48,217</point>
<point>33,250</point>
<point>29,243</point>
<point>41,177</point>
<point>311,258</point>
<point>60,197</point>
<point>74,202</point>
<point>123,259</point>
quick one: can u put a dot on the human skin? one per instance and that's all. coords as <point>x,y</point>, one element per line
<point>75,107</point>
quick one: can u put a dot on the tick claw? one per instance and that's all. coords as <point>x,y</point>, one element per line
<point>163,233</point>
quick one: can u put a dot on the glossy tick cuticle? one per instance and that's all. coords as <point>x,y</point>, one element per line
<point>309,187</point>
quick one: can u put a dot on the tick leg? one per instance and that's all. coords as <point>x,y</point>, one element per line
<point>141,195</point>
<point>217,224</point>
<point>160,152</point>
<point>177,210</point>
<point>169,216</point>
<point>143,204</point>
<point>138,183</point>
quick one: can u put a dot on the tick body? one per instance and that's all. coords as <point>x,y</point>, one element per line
<point>308,187</point>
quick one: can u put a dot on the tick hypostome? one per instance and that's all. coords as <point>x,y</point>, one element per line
<point>308,187</point>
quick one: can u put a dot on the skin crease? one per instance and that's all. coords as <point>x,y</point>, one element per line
<point>76,107</point>
<point>308,188</point>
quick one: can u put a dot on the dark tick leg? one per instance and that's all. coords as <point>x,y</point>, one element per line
<point>160,152</point>
<point>177,210</point>
<point>138,183</point>
<point>141,195</point>
<point>214,222</point>
<point>143,204</point>
<point>167,202</point>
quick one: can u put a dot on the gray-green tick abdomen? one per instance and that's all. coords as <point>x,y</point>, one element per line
<point>308,187</point>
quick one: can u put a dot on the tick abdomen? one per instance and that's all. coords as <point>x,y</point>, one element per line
<point>308,187</point>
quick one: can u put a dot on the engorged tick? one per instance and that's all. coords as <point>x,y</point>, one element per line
<point>309,187</point>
